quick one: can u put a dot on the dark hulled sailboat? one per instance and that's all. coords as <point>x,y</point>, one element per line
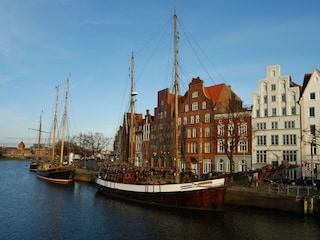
<point>52,171</point>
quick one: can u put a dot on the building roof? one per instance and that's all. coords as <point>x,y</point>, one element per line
<point>214,92</point>
<point>306,79</point>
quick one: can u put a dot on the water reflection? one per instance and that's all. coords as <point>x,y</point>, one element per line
<point>34,209</point>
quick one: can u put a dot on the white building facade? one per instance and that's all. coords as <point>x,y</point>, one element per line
<point>310,125</point>
<point>276,134</point>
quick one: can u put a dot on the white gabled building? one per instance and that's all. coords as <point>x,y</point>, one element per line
<point>276,122</point>
<point>310,124</point>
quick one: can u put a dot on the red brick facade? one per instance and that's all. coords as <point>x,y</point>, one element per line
<point>200,112</point>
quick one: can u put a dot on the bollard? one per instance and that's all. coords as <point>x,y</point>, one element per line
<point>311,206</point>
<point>305,206</point>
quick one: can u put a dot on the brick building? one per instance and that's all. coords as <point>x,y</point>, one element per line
<point>198,128</point>
<point>202,110</point>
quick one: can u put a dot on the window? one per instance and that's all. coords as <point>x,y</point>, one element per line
<point>290,155</point>
<point>207,147</point>
<point>266,112</point>
<point>274,139</point>
<point>289,124</point>
<point>289,139</point>
<point>284,111</point>
<point>195,94</point>
<point>207,132</point>
<point>242,146</point>
<point>197,118</point>
<point>273,87</point>
<point>221,165</point>
<point>186,108</point>
<point>220,146</point>
<point>274,111</point>
<point>262,140</point>
<point>273,98</point>
<point>231,129</point>
<point>262,126</point>
<point>274,125</point>
<point>185,120</point>
<point>195,106</point>
<point>312,96</point>
<point>258,113</point>
<point>265,99</point>
<point>189,133</point>
<point>192,147</point>
<point>243,166</point>
<point>204,105</point>
<point>283,97</point>
<point>243,129</point>
<point>313,130</point>
<point>220,131</point>
<point>311,111</point>
<point>194,132</point>
<point>293,111</point>
<point>231,146</point>
<point>262,156</point>
<point>207,165</point>
<point>207,118</point>
<point>192,119</point>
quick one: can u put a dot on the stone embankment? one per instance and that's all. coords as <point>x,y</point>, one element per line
<point>298,199</point>
<point>85,175</point>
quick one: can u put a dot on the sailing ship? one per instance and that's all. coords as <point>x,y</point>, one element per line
<point>123,181</point>
<point>52,171</point>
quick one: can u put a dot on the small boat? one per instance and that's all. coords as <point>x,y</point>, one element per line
<point>126,182</point>
<point>52,171</point>
<point>33,166</point>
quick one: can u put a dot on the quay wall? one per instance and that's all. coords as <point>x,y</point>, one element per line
<point>264,198</point>
<point>85,175</point>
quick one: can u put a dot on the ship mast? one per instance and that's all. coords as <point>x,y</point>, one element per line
<point>176,92</point>
<point>39,138</point>
<point>132,129</point>
<point>64,122</point>
<point>55,125</point>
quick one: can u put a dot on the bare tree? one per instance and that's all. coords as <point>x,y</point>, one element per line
<point>233,133</point>
<point>92,143</point>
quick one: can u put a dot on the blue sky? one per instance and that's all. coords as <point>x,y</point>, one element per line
<point>232,42</point>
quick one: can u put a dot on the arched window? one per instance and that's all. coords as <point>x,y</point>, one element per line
<point>243,165</point>
<point>221,165</point>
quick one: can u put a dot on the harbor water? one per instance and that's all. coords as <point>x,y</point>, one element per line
<point>34,209</point>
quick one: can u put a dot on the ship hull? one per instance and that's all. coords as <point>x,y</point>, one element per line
<point>56,175</point>
<point>193,196</point>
